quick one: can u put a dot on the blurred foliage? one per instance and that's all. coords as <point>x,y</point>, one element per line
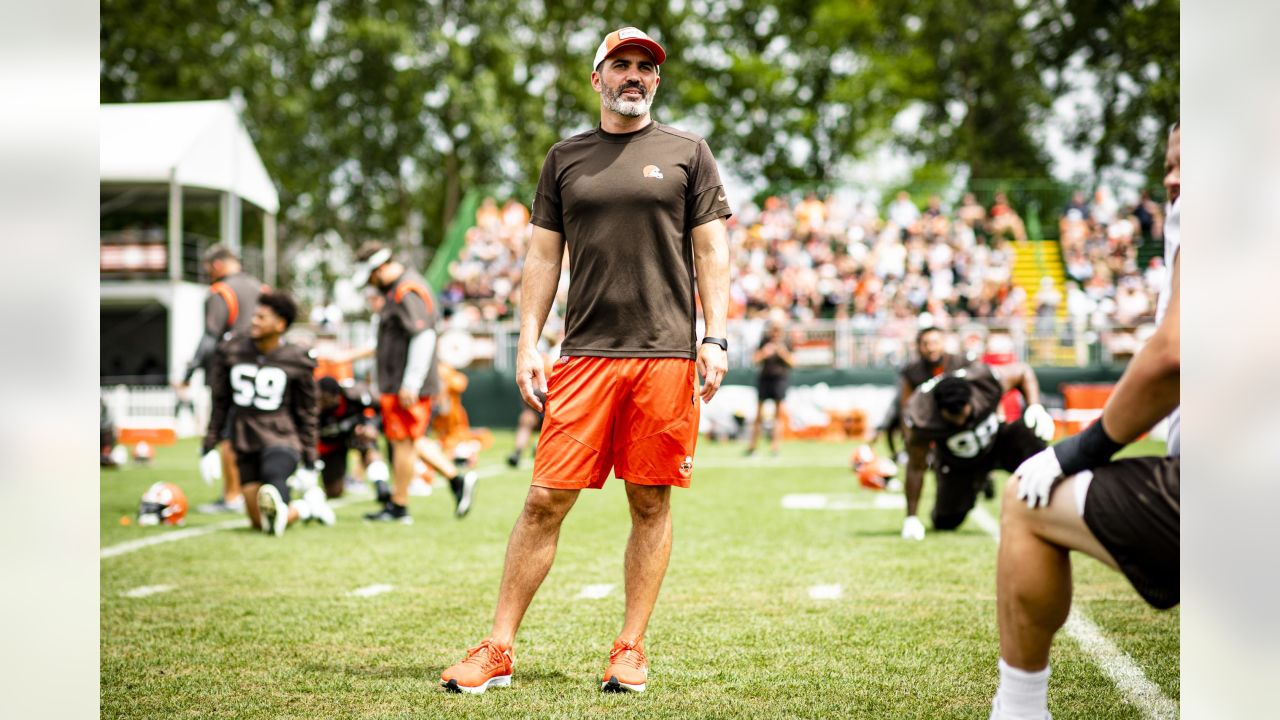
<point>368,113</point>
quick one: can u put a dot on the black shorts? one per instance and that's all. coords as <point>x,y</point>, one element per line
<point>273,466</point>
<point>1132,507</point>
<point>960,482</point>
<point>225,432</point>
<point>772,388</point>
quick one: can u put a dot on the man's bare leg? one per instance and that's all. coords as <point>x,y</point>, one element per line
<point>530,552</point>
<point>1033,592</point>
<point>648,550</point>
<point>756,425</point>
<point>1033,577</point>
<point>403,458</point>
<point>251,505</point>
<point>435,456</point>
<point>230,472</point>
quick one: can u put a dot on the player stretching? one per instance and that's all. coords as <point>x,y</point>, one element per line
<point>1125,513</point>
<point>958,413</point>
<point>407,378</point>
<point>640,207</point>
<point>349,421</point>
<point>268,389</point>
<point>229,307</point>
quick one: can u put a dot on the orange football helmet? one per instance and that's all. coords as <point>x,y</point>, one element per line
<point>162,504</point>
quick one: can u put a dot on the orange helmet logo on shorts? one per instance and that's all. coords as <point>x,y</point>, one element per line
<point>652,171</point>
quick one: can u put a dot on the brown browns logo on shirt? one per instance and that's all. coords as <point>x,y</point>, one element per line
<point>687,466</point>
<point>652,171</point>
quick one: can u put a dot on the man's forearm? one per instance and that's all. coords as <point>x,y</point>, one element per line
<point>537,291</point>
<point>1030,386</point>
<point>711,261</point>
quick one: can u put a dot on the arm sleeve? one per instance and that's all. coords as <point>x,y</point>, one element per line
<point>220,392</point>
<point>422,350</point>
<point>705,198</point>
<point>306,414</point>
<point>546,201</point>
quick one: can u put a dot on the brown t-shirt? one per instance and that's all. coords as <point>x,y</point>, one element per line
<point>959,444</point>
<point>271,398</point>
<point>627,205</point>
<point>408,310</point>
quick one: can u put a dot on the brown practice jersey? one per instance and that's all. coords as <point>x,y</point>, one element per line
<point>407,311</point>
<point>626,205</point>
<point>959,444</point>
<point>918,371</point>
<point>228,309</point>
<point>271,398</point>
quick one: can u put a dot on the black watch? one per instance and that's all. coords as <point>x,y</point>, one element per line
<point>724,344</point>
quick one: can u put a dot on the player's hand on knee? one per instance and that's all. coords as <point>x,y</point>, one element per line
<point>1037,476</point>
<point>1039,420</point>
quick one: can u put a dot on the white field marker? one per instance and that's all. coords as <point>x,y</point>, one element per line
<point>188,533</point>
<point>1111,660</point>
<point>879,501</point>
<point>826,592</point>
<point>145,590</point>
<point>370,591</point>
<point>595,592</point>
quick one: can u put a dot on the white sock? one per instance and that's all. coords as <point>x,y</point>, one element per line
<point>1023,695</point>
<point>304,509</point>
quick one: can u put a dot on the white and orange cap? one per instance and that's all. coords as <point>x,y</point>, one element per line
<point>623,37</point>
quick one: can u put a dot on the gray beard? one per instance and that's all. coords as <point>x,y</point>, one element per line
<point>627,108</point>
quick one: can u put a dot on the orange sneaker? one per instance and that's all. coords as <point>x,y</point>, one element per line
<point>486,665</point>
<point>628,669</point>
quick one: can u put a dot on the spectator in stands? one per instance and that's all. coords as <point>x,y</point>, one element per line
<point>1005,221</point>
<point>903,213</point>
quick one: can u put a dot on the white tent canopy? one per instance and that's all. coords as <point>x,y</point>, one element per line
<point>195,144</point>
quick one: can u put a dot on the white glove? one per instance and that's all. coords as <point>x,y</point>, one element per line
<point>1038,419</point>
<point>211,467</point>
<point>305,479</point>
<point>912,528</point>
<point>1036,476</point>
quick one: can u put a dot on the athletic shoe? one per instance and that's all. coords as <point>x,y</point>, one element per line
<point>464,490</point>
<point>383,491</point>
<point>912,528</point>
<point>997,715</point>
<point>275,514</point>
<point>628,669</point>
<point>486,665</point>
<point>221,506</point>
<point>391,513</point>
<point>514,459</point>
<point>318,503</point>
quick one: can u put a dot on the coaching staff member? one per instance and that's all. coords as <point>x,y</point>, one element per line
<point>641,209</point>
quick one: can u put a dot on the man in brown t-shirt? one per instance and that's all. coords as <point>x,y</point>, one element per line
<point>640,208</point>
<point>407,379</point>
<point>233,294</point>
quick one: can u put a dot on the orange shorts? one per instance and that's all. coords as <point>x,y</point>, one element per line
<point>401,424</point>
<point>635,416</point>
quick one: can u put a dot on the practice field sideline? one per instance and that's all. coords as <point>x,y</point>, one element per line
<point>766,611</point>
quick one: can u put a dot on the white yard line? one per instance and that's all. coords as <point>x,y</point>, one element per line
<point>1111,660</point>
<point>371,590</point>
<point>826,592</point>
<point>188,533</point>
<point>595,592</point>
<point>879,501</point>
<point>145,590</point>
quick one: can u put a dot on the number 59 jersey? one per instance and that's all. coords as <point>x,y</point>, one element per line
<point>270,398</point>
<point>972,442</point>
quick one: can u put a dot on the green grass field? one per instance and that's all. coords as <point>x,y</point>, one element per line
<point>259,627</point>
